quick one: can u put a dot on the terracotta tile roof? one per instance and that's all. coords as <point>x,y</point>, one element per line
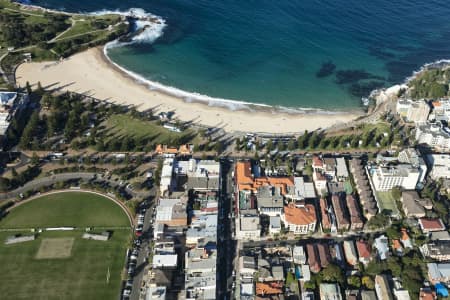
<point>300,215</point>
<point>427,295</point>
<point>363,249</point>
<point>429,224</point>
<point>436,103</point>
<point>317,162</point>
<point>245,179</point>
<point>405,235</point>
<point>326,223</point>
<point>267,289</point>
<point>396,244</point>
<point>185,149</point>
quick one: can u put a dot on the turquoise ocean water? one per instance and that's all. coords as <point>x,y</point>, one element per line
<point>300,54</point>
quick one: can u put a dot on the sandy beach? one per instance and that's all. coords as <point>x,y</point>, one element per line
<point>90,73</point>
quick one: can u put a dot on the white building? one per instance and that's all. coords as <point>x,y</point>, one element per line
<point>341,169</point>
<point>166,183</point>
<point>330,291</point>
<point>298,254</point>
<point>440,111</point>
<point>440,165</point>
<point>386,178</point>
<point>165,261</point>
<point>413,111</point>
<point>248,227</point>
<point>434,135</point>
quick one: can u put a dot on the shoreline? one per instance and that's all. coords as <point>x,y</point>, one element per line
<point>232,105</point>
<point>91,73</point>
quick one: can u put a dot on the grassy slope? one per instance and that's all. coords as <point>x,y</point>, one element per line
<point>66,209</point>
<point>82,276</point>
<point>125,125</point>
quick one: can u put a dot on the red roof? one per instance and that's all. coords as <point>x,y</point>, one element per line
<point>429,224</point>
<point>317,162</point>
<point>363,249</point>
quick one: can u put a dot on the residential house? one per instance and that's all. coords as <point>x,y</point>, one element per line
<point>324,255</point>
<point>382,245</point>
<point>431,224</point>
<point>274,225</point>
<point>329,168</point>
<point>341,169</point>
<point>363,252</point>
<point>382,288</point>
<point>350,253</point>
<point>300,220</point>
<point>325,216</point>
<point>413,206</point>
<point>313,258</point>
<point>342,220</point>
<point>438,250</point>
<point>356,219</point>
<point>330,291</point>
<point>298,254</point>
<point>439,272</point>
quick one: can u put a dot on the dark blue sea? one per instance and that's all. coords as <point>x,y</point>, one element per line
<point>297,53</point>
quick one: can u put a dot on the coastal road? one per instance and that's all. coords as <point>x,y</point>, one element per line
<point>45,181</point>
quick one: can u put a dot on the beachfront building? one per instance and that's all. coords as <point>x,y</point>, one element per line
<point>341,169</point>
<point>439,165</point>
<point>413,111</point>
<point>440,110</point>
<point>10,104</point>
<point>434,135</point>
<point>404,175</point>
<point>257,195</point>
<point>299,220</point>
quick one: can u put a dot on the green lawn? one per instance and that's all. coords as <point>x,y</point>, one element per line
<point>118,126</point>
<point>81,276</point>
<point>387,202</point>
<point>66,209</point>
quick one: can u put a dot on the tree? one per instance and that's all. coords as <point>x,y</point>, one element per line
<point>291,145</point>
<point>28,88</point>
<point>313,140</point>
<point>354,281</point>
<point>237,146</point>
<point>394,266</point>
<point>368,282</point>
<point>4,184</point>
<point>310,285</point>
<point>34,159</point>
<point>333,273</point>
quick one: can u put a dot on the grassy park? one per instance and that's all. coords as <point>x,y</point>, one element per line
<point>61,264</point>
<point>75,209</point>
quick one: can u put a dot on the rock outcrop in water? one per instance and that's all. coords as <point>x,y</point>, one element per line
<point>326,70</point>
